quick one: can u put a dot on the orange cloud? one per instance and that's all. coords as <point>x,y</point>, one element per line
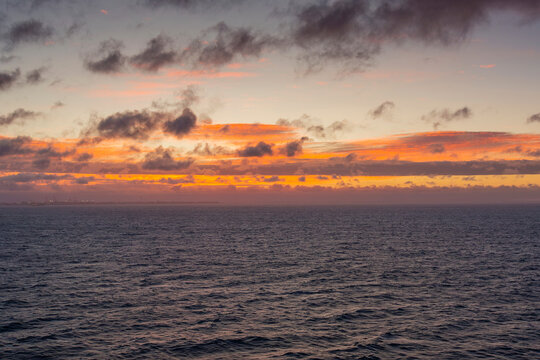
<point>439,145</point>
<point>240,133</point>
<point>468,154</point>
<point>269,189</point>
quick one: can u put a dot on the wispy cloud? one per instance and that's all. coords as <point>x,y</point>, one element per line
<point>28,31</point>
<point>107,59</point>
<point>533,118</point>
<point>17,116</point>
<point>440,117</point>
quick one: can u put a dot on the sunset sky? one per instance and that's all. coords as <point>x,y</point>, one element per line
<point>379,101</point>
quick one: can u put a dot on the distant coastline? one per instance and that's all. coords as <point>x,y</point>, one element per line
<point>82,202</point>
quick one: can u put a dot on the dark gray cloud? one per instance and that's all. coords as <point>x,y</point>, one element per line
<point>533,118</point>
<point>175,3</point>
<point>350,157</point>
<point>346,33</point>
<point>158,53</point>
<point>293,148</point>
<point>443,22</point>
<point>28,31</point>
<point>190,96</point>
<point>439,117</point>
<point>209,150</point>
<point>51,152</point>
<point>515,149</point>
<point>35,76</point>
<point>18,115</point>
<point>69,166</point>
<point>332,31</point>
<point>457,138</point>
<point>41,163</point>
<point>436,148</point>
<point>8,78</point>
<point>349,33</point>
<point>57,105</point>
<point>227,45</point>
<point>258,150</point>
<point>274,178</point>
<point>189,179</point>
<point>382,109</point>
<point>107,59</point>
<point>336,126</point>
<point>127,124</point>
<point>74,28</point>
<point>31,177</point>
<point>84,157</point>
<point>43,156</point>
<point>342,167</point>
<point>352,32</point>
<point>138,125</point>
<point>225,128</point>
<point>182,125</point>
<point>162,159</point>
<point>330,131</point>
<point>14,146</point>
<point>314,129</point>
<point>217,46</point>
<point>84,180</point>
<point>406,168</point>
<point>190,4</point>
<point>302,122</point>
<point>520,150</point>
<point>111,170</point>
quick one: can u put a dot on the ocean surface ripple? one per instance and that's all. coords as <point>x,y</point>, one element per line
<point>211,282</point>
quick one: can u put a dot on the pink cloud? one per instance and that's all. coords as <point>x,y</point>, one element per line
<point>487,66</point>
<point>133,89</point>
<point>143,85</point>
<point>122,93</point>
<point>103,11</point>
<point>235,66</point>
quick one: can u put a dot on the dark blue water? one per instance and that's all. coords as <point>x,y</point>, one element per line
<point>161,282</point>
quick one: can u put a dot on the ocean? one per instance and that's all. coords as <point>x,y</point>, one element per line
<point>217,282</point>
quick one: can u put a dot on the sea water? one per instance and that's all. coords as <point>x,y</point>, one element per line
<point>216,282</point>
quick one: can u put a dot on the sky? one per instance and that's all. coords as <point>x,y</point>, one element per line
<point>255,102</point>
